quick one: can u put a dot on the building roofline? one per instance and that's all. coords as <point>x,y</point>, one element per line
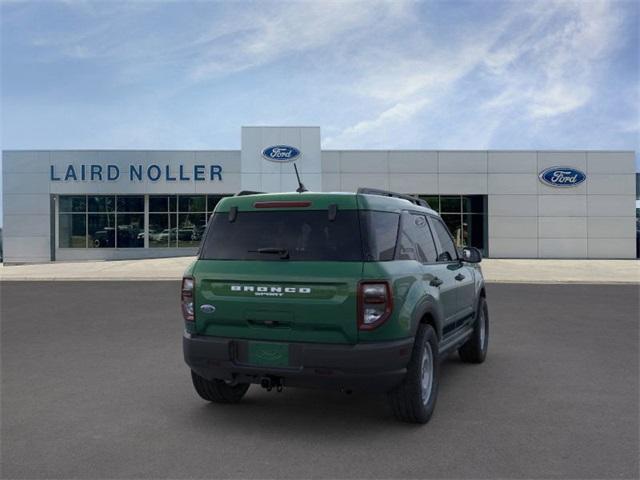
<point>322,150</point>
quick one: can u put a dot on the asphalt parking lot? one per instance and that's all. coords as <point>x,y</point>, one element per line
<point>94,386</point>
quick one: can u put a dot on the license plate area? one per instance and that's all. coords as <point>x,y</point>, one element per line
<point>268,354</point>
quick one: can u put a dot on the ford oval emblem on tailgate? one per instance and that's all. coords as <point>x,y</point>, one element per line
<point>206,308</point>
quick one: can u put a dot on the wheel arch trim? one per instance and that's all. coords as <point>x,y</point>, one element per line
<point>428,314</point>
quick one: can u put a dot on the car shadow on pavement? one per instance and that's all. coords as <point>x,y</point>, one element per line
<point>315,410</point>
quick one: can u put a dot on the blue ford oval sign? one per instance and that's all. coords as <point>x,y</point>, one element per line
<point>281,153</point>
<point>562,177</point>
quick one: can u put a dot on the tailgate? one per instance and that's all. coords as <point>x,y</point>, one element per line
<point>280,301</point>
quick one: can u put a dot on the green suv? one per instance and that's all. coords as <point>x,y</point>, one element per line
<point>352,291</point>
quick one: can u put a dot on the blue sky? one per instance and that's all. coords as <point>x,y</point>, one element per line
<point>402,74</point>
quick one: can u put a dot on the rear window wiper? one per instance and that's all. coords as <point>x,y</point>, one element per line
<point>283,252</point>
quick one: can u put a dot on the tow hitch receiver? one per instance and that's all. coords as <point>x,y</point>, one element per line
<point>271,382</point>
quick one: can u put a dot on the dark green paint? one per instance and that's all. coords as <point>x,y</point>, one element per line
<point>328,312</point>
<point>326,315</point>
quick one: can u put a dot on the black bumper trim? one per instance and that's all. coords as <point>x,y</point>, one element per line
<point>366,366</point>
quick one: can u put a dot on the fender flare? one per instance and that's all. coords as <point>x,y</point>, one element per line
<point>428,308</point>
<point>480,295</point>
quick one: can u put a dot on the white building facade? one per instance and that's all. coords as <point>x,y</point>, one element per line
<point>119,204</point>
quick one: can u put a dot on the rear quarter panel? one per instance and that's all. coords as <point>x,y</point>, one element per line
<point>412,297</point>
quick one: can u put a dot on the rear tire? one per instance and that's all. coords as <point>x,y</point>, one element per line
<point>218,391</point>
<point>474,350</point>
<point>415,398</point>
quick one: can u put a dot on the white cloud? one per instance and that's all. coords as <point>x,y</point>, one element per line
<point>397,114</point>
<point>550,68</point>
<point>406,87</point>
<point>539,60</point>
<point>558,98</point>
<point>577,49</point>
<point>232,37</point>
<point>253,38</point>
<point>630,126</point>
<point>389,73</point>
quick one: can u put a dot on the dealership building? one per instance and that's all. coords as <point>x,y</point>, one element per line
<point>68,205</point>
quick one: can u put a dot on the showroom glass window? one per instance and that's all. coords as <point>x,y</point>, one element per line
<point>465,216</point>
<point>192,219</point>
<point>101,221</point>
<point>130,221</point>
<point>118,221</point>
<point>72,221</point>
<point>179,220</point>
<point>162,221</point>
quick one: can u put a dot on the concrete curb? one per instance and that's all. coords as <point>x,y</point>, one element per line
<point>88,279</point>
<point>177,279</point>
<point>106,280</point>
<point>544,272</point>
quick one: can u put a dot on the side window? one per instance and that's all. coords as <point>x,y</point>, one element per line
<point>429,244</point>
<point>448,251</point>
<point>379,234</point>
<point>415,239</point>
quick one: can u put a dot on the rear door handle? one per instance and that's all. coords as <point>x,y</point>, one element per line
<point>436,282</point>
<point>459,277</point>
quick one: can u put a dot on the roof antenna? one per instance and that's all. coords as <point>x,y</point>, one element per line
<point>301,188</point>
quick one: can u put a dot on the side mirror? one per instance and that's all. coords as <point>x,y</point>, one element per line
<point>471,255</point>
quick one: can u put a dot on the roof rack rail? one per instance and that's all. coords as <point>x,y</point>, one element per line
<point>242,193</point>
<point>385,193</point>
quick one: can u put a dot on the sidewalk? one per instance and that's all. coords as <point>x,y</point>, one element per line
<point>561,271</point>
<point>150,269</point>
<point>495,270</point>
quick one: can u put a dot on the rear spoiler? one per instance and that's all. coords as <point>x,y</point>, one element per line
<point>385,193</point>
<point>242,193</point>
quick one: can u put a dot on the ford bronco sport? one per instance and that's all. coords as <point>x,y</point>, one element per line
<point>353,291</point>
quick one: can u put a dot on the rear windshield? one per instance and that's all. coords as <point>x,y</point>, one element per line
<point>292,235</point>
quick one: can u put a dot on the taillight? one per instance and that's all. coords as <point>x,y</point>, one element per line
<point>374,304</point>
<point>186,298</point>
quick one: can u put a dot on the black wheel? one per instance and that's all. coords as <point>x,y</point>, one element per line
<point>218,391</point>
<point>474,350</point>
<point>415,398</point>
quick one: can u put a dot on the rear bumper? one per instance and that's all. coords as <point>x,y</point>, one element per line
<point>363,367</point>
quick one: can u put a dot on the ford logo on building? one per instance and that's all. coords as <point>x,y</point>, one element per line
<point>281,153</point>
<point>562,177</point>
